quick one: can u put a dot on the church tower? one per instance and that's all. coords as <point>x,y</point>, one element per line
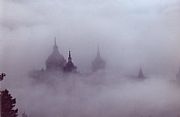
<point>55,61</point>
<point>141,74</point>
<point>98,62</point>
<point>70,67</point>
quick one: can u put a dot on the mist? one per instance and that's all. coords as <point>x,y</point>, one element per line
<point>131,34</point>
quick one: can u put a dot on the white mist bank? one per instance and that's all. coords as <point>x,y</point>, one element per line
<point>99,95</point>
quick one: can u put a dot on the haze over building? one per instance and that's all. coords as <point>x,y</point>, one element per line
<point>69,66</point>
<point>72,77</point>
<point>98,63</point>
<point>141,74</point>
<point>57,64</point>
<point>56,60</point>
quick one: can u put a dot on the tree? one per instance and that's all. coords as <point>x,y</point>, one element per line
<point>2,76</point>
<point>8,105</point>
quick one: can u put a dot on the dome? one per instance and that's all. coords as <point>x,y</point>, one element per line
<point>55,60</point>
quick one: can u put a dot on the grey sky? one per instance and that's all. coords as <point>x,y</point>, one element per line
<point>130,32</point>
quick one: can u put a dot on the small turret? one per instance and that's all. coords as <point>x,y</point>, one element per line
<point>141,74</point>
<point>70,67</point>
<point>98,62</point>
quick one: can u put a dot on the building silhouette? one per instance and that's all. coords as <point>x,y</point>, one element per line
<point>141,74</point>
<point>56,65</point>
<point>98,63</point>
<point>69,66</point>
<point>56,60</point>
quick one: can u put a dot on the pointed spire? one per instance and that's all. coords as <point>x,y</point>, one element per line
<point>70,67</point>
<point>98,63</point>
<point>141,74</point>
<point>98,51</point>
<point>55,41</point>
<point>69,58</point>
<point>55,44</point>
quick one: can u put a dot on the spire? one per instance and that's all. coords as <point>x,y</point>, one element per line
<point>69,58</point>
<point>98,51</point>
<point>98,63</point>
<point>70,67</point>
<point>141,74</point>
<point>55,45</point>
<point>55,41</point>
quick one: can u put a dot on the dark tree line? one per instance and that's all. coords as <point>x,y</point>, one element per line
<point>7,103</point>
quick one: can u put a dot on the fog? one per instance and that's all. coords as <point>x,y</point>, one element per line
<point>131,34</point>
